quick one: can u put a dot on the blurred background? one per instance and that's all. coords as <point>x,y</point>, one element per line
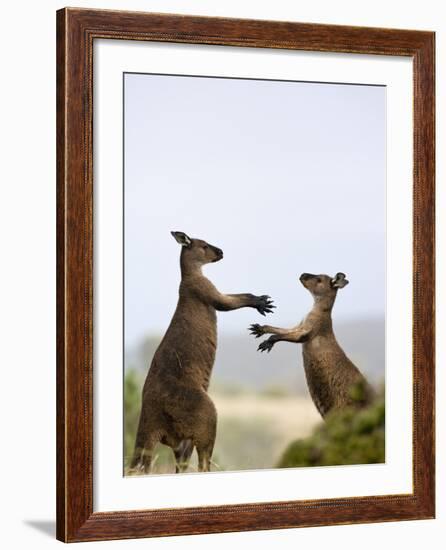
<point>262,401</point>
<point>285,177</point>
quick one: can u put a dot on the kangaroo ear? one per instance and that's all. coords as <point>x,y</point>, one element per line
<point>339,281</point>
<point>181,238</point>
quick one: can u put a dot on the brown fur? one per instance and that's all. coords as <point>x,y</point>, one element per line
<point>330,374</point>
<point>176,408</point>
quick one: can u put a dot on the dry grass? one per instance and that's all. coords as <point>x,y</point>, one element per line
<point>252,432</point>
<point>291,415</point>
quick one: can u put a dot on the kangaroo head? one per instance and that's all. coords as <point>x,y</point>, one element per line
<point>196,252</point>
<point>323,285</point>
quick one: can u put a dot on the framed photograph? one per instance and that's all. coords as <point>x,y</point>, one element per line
<point>245,275</point>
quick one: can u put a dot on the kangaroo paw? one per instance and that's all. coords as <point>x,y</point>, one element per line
<point>264,305</point>
<point>256,330</point>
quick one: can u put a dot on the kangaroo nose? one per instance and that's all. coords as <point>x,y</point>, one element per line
<point>305,276</point>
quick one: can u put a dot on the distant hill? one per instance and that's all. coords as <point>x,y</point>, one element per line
<point>239,367</point>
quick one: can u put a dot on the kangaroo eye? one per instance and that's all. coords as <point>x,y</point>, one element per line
<point>205,247</point>
<point>319,280</point>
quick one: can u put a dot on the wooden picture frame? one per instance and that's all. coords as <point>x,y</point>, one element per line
<point>76,31</point>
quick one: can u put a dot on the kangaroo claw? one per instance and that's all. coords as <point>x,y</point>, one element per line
<point>266,345</point>
<point>265,305</point>
<point>256,330</point>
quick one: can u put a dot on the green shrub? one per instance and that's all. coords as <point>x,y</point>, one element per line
<point>132,405</point>
<point>350,436</point>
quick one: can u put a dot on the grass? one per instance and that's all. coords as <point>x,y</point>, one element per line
<point>270,429</point>
<point>252,429</point>
<point>350,436</point>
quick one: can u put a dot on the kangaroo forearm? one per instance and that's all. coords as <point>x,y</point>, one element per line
<point>267,329</point>
<point>228,302</point>
<point>295,336</point>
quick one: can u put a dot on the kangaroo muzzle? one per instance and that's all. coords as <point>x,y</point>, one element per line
<point>219,253</point>
<point>306,277</point>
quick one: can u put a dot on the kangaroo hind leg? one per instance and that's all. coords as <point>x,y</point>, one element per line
<point>205,435</point>
<point>182,455</point>
<point>144,447</point>
<point>204,458</point>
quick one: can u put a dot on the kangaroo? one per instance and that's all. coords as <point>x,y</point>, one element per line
<point>176,408</point>
<point>330,374</point>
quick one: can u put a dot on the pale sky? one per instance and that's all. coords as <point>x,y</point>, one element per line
<point>285,177</point>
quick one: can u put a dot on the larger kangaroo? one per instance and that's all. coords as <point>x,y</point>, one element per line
<point>330,374</point>
<point>176,408</point>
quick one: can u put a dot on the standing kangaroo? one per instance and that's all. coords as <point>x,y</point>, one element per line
<point>176,408</point>
<point>330,374</point>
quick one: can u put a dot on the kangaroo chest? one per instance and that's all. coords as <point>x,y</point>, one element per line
<point>323,367</point>
<point>188,349</point>
<point>196,327</point>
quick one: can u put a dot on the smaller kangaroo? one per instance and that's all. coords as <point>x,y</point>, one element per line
<point>329,372</point>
